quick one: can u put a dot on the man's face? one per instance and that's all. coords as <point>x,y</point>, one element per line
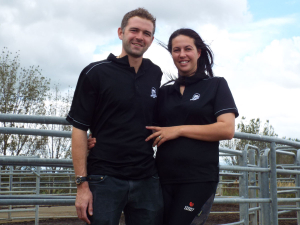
<point>137,36</point>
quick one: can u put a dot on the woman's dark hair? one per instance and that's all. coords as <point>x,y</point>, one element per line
<point>205,61</point>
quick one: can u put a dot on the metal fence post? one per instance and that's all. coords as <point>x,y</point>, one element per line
<point>264,190</point>
<point>298,185</point>
<point>252,192</point>
<point>70,185</point>
<point>11,168</point>
<point>243,188</point>
<point>38,180</point>
<point>273,185</point>
<point>220,186</point>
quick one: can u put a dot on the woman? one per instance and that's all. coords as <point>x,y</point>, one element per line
<point>192,116</point>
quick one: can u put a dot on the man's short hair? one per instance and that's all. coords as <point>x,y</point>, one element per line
<point>140,12</point>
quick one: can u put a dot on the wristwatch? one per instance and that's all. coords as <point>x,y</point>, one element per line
<point>80,179</point>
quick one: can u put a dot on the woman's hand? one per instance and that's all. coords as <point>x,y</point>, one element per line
<point>162,134</point>
<point>91,142</point>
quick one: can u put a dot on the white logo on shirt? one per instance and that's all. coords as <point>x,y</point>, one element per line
<point>153,93</point>
<point>190,207</point>
<point>195,97</point>
<point>187,208</point>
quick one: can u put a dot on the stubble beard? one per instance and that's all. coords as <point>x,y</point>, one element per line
<point>130,52</point>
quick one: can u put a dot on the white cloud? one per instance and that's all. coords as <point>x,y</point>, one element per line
<point>61,36</point>
<point>261,69</point>
<point>266,84</point>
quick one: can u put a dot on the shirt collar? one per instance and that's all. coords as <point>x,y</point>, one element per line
<point>146,63</point>
<point>187,81</point>
<point>121,61</point>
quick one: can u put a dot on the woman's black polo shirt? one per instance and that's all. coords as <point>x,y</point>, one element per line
<point>185,160</point>
<point>116,104</point>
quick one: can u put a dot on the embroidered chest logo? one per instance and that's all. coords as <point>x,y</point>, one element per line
<point>190,207</point>
<point>153,93</point>
<point>195,97</point>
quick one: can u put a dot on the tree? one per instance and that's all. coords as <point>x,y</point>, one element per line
<point>254,126</point>
<point>23,91</point>
<point>58,104</point>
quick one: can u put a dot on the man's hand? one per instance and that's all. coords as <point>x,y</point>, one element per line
<point>91,142</point>
<point>84,202</point>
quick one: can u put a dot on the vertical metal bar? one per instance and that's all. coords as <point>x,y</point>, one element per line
<point>264,191</point>
<point>259,185</point>
<point>273,185</point>
<point>252,192</point>
<point>243,188</point>
<point>297,163</point>
<point>70,185</point>
<point>38,181</point>
<point>220,186</point>
<point>11,168</point>
<point>49,184</point>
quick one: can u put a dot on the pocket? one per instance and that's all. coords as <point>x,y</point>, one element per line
<point>109,193</point>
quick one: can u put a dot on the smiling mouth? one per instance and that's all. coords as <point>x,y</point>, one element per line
<point>183,62</point>
<point>138,45</point>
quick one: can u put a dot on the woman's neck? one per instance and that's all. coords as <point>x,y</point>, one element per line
<point>188,75</point>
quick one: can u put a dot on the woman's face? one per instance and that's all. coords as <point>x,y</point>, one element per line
<point>185,55</point>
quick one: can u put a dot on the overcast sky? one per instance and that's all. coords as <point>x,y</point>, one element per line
<point>256,44</point>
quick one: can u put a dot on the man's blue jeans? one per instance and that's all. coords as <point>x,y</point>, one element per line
<point>141,200</point>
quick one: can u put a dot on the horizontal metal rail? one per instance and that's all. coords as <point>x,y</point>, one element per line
<point>36,132</point>
<point>22,161</point>
<point>286,191</point>
<point>68,163</point>
<point>255,137</point>
<point>16,210</point>
<point>31,201</point>
<point>287,171</point>
<point>288,200</point>
<point>287,208</point>
<point>35,197</point>
<point>234,152</point>
<point>70,200</point>
<point>286,153</point>
<point>285,188</point>
<point>17,192</point>
<point>230,174</point>
<point>242,200</point>
<point>244,168</point>
<point>225,154</point>
<point>33,119</point>
<point>41,217</point>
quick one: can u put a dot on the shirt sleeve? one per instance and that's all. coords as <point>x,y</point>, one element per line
<point>224,102</point>
<point>83,104</point>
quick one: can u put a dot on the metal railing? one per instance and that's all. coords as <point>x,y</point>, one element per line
<point>257,174</point>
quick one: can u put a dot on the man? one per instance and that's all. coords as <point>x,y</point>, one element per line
<point>114,98</point>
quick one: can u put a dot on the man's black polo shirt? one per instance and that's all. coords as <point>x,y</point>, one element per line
<point>185,160</point>
<point>116,104</point>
